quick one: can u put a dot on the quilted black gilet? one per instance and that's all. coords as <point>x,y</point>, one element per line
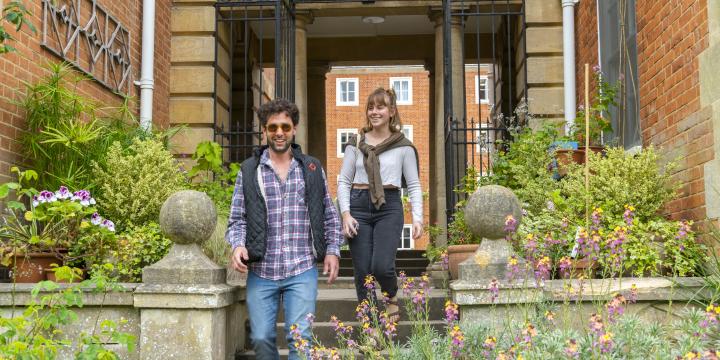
<point>256,209</point>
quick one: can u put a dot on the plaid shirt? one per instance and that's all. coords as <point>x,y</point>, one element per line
<point>289,244</point>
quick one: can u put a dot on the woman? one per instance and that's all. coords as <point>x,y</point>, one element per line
<point>369,195</point>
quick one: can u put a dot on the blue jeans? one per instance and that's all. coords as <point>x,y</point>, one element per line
<point>298,293</point>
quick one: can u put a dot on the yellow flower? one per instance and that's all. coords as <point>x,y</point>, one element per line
<point>692,355</point>
<point>512,260</point>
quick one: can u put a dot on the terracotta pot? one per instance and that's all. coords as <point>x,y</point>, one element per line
<point>582,267</point>
<point>50,275</point>
<point>566,157</point>
<point>458,254</point>
<point>29,268</point>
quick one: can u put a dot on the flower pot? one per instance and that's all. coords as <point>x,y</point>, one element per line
<point>30,268</point>
<point>458,254</point>
<point>582,267</point>
<point>566,157</point>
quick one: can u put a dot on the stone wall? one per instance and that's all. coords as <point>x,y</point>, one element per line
<point>164,320</point>
<point>27,65</point>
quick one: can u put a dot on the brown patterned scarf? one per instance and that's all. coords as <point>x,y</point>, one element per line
<point>372,162</point>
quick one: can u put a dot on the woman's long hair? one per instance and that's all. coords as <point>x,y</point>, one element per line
<point>380,96</point>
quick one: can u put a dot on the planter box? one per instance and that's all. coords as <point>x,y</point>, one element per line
<point>458,254</point>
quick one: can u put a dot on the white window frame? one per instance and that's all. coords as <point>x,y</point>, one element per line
<point>409,100</point>
<point>412,241</point>
<point>477,90</point>
<point>410,129</point>
<point>338,92</point>
<point>340,132</point>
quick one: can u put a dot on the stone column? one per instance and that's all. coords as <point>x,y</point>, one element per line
<point>185,305</point>
<point>438,177</point>
<point>301,98</point>
<point>317,137</point>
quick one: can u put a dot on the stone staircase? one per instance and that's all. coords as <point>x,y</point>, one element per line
<point>339,299</point>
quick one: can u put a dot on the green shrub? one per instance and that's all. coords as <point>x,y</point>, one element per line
<point>210,177</point>
<point>524,167</point>
<point>618,179</point>
<point>135,181</point>
<point>216,248</point>
<point>138,247</point>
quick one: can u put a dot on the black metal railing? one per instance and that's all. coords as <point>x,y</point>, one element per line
<point>249,26</point>
<point>493,47</point>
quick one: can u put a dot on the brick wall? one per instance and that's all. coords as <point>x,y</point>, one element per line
<point>417,115</point>
<point>671,36</point>
<point>26,65</point>
<point>586,45</point>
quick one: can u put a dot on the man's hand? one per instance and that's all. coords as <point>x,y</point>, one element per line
<point>332,266</point>
<point>239,254</point>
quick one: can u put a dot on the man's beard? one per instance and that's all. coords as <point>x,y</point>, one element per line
<point>275,148</point>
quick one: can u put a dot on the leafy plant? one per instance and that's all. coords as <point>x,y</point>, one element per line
<point>37,332</point>
<point>138,247</point>
<point>16,14</point>
<point>135,181</point>
<point>53,220</point>
<point>619,179</point>
<point>523,167</point>
<point>600,122</point>
<point>216,247</point>
<point>212,178</point>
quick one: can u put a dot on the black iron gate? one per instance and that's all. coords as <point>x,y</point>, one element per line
<point>474,132</point>
<point>255,39</point>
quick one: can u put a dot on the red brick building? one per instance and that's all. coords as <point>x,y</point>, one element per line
<point>670,69</point>
<point>27,63</point>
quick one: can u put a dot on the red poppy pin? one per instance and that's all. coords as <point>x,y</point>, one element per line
<point>312,167</point>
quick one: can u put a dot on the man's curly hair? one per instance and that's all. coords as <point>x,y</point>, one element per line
<point>278,106</point>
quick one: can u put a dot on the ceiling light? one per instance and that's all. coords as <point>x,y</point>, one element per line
<point>373,19</point>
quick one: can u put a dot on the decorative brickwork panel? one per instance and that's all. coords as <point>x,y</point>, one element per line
<point>26,65</point>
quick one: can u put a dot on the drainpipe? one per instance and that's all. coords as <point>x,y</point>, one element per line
<point>146,82</point>
<point>568,7</point>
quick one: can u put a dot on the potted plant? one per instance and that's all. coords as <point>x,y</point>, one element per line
<point>39,227</point>
<point>599,124</point>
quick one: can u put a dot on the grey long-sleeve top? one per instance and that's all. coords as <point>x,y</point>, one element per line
<point>394,163</point>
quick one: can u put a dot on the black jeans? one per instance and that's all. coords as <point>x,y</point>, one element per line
<point>375,246</point>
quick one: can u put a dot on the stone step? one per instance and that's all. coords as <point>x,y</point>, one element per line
<point>401,254</point>
<point>325,334</point>
<point>400,263</point>
<point>342,303</point>
<point>409,271</point>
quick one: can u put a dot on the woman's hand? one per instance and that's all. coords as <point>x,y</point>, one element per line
<point>417,230</point>
<point>350,225</point>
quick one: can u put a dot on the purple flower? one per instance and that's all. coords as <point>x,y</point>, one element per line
<point>96,219</point>
<point>83,196</point>
<point>494,290</point>
<point>108,225</point>
<point>615,307</point>
<point>445,260</point>
<point>46,197</point>
<point>63,193</point>
<point>629,214</point>
<point>550,205</point>
<point>370,283</point>
<point>310,317</point>
<point>451,312</point>
<point>633,297</point>
<point>685,227</point>
<point>513,267</point>
<point>565,266</point>
<point>35,200</point>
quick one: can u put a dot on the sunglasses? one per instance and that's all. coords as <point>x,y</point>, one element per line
<point>273,127</point>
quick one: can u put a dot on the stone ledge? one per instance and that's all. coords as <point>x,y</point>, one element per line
<point>178,296</point>
<point>648,289</point>
<point>22,295</point>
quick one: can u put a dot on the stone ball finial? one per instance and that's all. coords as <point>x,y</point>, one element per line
<point>488,207</point>
<point>188,217</point>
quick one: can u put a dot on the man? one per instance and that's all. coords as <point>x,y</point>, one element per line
<point>282,221</point>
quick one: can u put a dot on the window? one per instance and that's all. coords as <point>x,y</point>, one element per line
<point>346,92</point>
<point>407,130</point>
<point>403,89</point>
<point>406,240</point>
<point>343,136</point>
<point>617,42</point>
<point>481,91</point>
